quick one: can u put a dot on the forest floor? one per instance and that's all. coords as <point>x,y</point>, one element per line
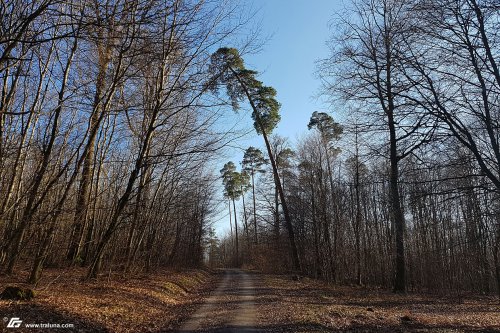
<point>149,303</point>
<point>237,301</point>
<point>311,306</point>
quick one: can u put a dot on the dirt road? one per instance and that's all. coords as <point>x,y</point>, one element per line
<point>230,308</point>
<point>253,302</point>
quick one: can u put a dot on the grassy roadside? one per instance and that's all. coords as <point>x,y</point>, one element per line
<point>312,306</point>
<point>149,303</point>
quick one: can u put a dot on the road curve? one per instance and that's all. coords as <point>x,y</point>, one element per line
<point>230,308</point>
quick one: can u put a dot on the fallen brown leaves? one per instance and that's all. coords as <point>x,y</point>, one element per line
<point>311,306</point>
<point>149,303</point>
<point>159,302</point>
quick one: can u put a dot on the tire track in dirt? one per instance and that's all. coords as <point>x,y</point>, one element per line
<point>230,308</point>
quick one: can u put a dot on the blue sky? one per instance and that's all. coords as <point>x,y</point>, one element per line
<point>298,31</point>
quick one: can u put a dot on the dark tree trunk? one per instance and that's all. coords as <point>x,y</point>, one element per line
<point>286,212</point>
<point>245,215</point>
<point>254,210</point>
<point>237,261</point>
<point>396,213</point>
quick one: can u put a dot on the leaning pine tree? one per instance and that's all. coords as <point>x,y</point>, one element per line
<point>229,70</point>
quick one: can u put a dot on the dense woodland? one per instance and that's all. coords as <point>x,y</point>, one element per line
<point>110,127</point>
<point>107,132</point>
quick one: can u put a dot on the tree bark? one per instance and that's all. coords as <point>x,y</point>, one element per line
<point>279,187</point>
<point>33,200</point>
<point>254,210</point>
<point>237,261</point>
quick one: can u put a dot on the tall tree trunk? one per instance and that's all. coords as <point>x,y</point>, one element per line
<point>95,266</point>
<point>236,235</point>
<point>397,213</point>
<point>284,206</point>
<point>230,220</point>
<point>335,221</point>
<point>245,215</point>
<point>387,101</point>
<point>286,212</point>
<point>358,214</point>
<point>277,230</point>
<point>80,220</point>
<point>496,250</point>
<point>318,271</point>
<point>141,200</point>
<point>254,210</point>
<point>33,202</point>
<point>175,246</point>
<point>43,251</point>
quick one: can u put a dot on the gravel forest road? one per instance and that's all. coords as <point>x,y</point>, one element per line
<point>230,308</point>
<point>245,301</point>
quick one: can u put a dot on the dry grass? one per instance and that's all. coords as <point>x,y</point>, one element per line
<point>142,304</point>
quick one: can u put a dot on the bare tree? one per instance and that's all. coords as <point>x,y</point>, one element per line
<point>457,77</point>
<point>367,68</point>
<point>112,32</point>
